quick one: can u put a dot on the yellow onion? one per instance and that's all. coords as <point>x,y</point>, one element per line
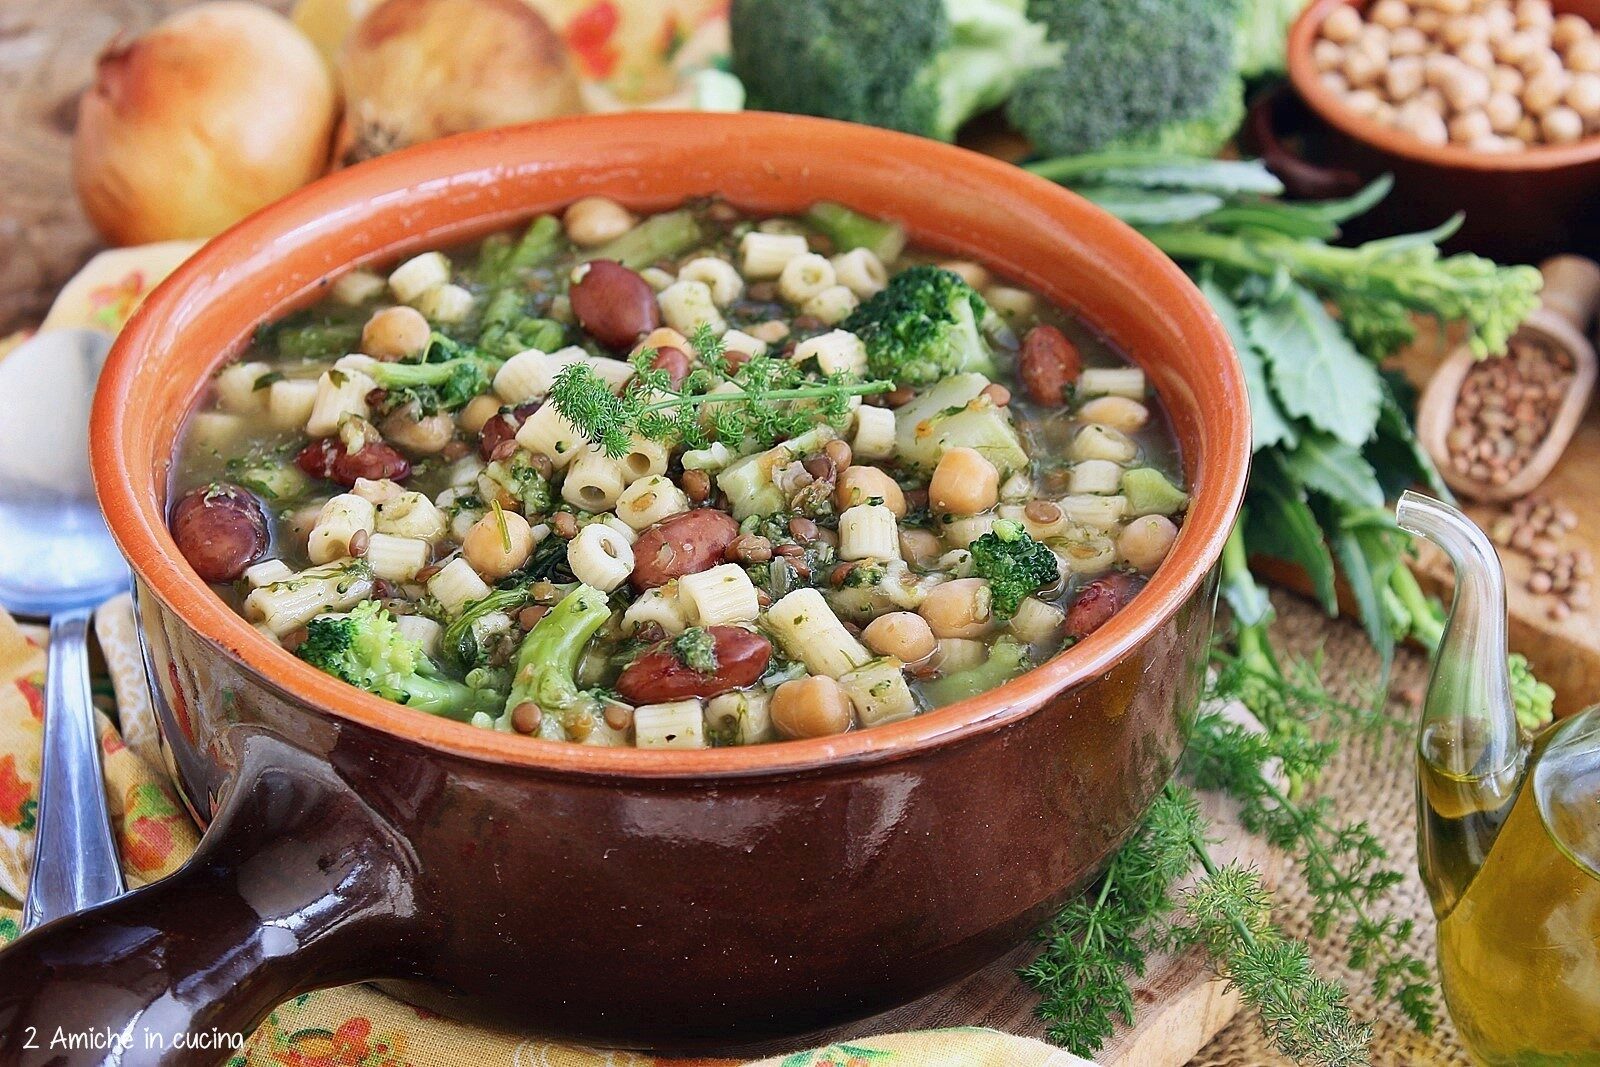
<point>219,110</point>
<point>413,70</point>
<point>328,22</point>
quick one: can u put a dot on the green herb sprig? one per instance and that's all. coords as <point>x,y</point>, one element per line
<point>773,401</point>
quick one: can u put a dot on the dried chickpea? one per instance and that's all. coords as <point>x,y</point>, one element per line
<point>1583,57</point>
<point>479,410</point>
<point>1424,123</point>
<point>1334,82</point>
<point>964,483</point>
<point>1507,80</point>
<point>1391,14</point>
<point>859,484</point>
<point>1503,112</point>
<point>1407,41</point>
<point>1458,32</point>
<point>1363,102</point>
<point>1470,126</point>
<point>1327,55</point>
<point>1544,92</point>
<point>498,544</point>
<point>1561,125</point>
<point>1361,69</point>
<point>1145,542</point>
<point>595,220</point>
<point>905,635</point>
<point>1465,89</point>
<point>1404,78</point>
<point>1583,96</point>
<point>394,333</point>
<point>1427,20</point>
<point>1452,7</point>
<point>1342,24</point>
<point>815,706</point>
<point>1527,130</point>
<point>962,608</point>
<point>1437,67</point>
<point>1118,412</point>
<point>1476,55</point>
<point>1534,14</point>
<point>1569,29</point>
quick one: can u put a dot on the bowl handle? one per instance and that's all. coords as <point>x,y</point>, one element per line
<point>1271,113</point>
<point>298,884</point>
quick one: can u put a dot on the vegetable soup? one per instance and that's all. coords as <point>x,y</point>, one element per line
<point>692,480</point>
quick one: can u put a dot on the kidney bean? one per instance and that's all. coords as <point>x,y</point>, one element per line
<point>221,530</point>
<point>502,428</point>
<point>614,304</point>
<point>674,361</point>
<point>659,675</point>
<point>327,457</point>
<point>1048,364</point>
<point>1097,602</point>
<point>682,544</point>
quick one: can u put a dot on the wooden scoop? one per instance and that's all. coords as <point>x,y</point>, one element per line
<point>1570,296</point>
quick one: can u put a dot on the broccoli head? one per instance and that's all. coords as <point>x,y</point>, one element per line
<point>1015,564</point>
<point>923,66</point>
<point>1137,74</point>
<point>367,649</point>
<point>923,326</point>
<point>546,667</point>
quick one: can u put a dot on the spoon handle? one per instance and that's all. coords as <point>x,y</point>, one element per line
<point>75,857</point>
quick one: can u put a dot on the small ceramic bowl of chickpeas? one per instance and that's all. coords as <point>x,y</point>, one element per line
<point>1491,107</point>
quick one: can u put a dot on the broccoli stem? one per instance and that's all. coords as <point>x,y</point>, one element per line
<point>546,666</point>
<point>321,340</point>
<point>437,695</point>
<point>657,237</point>
<point>1426,617</point>
<point>411,375</point>
<point>849,229</point>
<point>501,261</point>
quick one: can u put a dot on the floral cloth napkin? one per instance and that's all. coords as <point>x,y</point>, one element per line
<point>353,1026</point>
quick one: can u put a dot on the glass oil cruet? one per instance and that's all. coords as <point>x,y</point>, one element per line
<point>1508,830</point>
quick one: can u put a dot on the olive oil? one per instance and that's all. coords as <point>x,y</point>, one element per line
<point>1519,951</point>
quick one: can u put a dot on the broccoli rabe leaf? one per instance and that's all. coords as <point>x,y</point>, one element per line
<point>1316,372</point>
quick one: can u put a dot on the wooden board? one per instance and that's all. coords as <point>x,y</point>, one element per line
<point>1565,653</point>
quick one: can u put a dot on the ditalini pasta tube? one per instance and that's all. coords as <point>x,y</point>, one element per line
<point>810,632</point>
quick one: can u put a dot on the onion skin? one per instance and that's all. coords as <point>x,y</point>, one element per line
<point>219,110</point>
<point>414,70</point>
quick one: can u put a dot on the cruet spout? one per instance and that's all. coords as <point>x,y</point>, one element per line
<point>1470,754</point>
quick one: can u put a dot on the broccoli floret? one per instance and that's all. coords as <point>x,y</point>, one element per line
<point>696,649</point>
<point>1007,659</point>
<point>443,386</point>
<point>546,666</point>
<point>1151,74</point>
<point>367,649</point>
<point>923,326</point>
<point>1015,564</point>
<point>923,66</point>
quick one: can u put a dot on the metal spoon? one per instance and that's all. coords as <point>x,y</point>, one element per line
<point>57,559</point>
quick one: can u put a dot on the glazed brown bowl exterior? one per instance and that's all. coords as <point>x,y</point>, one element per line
<point>661,899</point>
<point>1518,206</point>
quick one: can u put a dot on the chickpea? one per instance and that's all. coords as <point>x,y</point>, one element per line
<point>1561,125</point>
<point>961,608</point>
<point>1477,56</point>
<point>425,435</point>
<point>1527,130</point>
<point>1118,412</point>
<point>1470,126</point>
<point>857,485</point>
<point>1466,89</point>
<point>1404,78</point>
<point>1363,102</point>
<point>1334,82</point>
<point>1327,55</point>
<point>1583,96</point>
<point>964,483</point>
<point>1544,92</point>
<point>1568,30</point>
<point>1543,61</point>
<point>1342,24</point>
<point>1458,32</point>
<point>1516,47</point>
<point>1583,57</point>
<point>1499,19</point>
<point>1534,14</point>
<point>496,545</point>
<point>920,547</point>
<point>1361,69</point>
<point>1508,80</point>
<point>479,410</point>
<point>395,333</point>
<point>1407,41</point>
<point>905,635</point>
<point>1437,67</point>
<point>1503,111</point>
<point>974,274</point>
<point>1145,542</point>
<point>1446,8</point>
<point>1427,21</point>
<point>595,220</point>
<point>815,706</point>
<point>1390,14</point>
<point>1422,122</point>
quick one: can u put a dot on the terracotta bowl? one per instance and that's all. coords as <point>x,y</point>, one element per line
<point>1520,206</point>
<point>662,899</point>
